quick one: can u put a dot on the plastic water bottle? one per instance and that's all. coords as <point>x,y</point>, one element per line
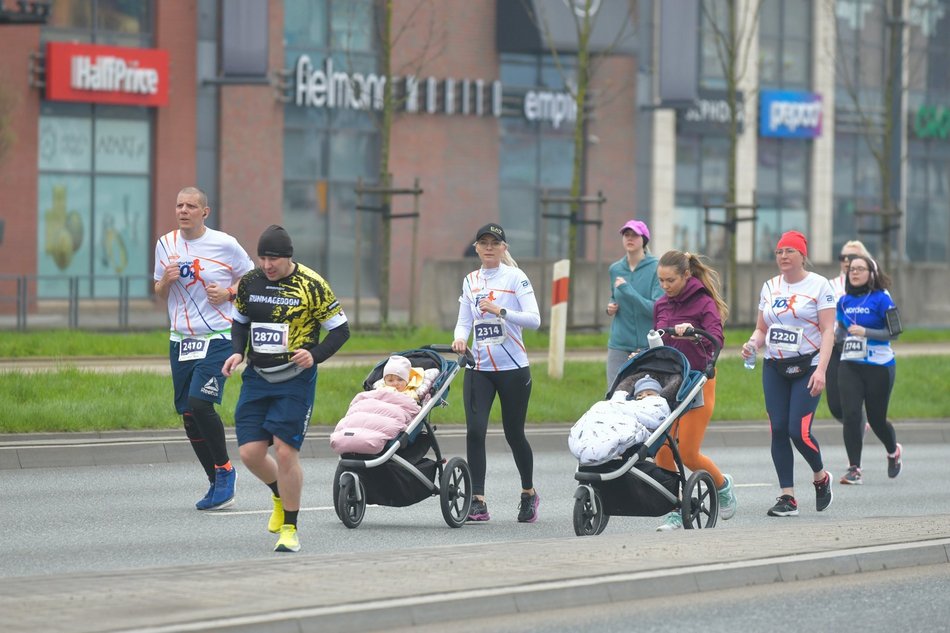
<point>750,361</point>
<point>654,338</point>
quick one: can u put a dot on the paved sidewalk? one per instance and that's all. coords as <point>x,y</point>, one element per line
<point>367,592</point>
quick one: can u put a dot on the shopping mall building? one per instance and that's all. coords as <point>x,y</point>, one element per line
<point>273,108</point>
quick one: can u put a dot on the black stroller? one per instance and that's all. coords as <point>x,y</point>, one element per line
<point>402,474</point>
<point>634,485</point>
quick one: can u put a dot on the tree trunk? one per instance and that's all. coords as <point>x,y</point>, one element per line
<point>385,130</point>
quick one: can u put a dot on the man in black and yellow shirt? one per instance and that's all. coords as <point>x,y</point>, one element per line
<point>279,310</point>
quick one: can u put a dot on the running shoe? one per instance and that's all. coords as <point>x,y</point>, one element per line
<point>478,511</point>
<point>823,494</point>
<point>276,516</point>
<point>786,506</point>
<point>224,482</point>
<point>673,522</point>
<point>852,477</point>
<point>205,502</point>
<point>288,541</point>
<point>894,463</point>
<point>727,499</point>
<point>528,508</point>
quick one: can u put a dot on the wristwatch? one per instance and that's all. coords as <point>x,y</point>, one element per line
<point>231,295</point>
<point>503,313</point>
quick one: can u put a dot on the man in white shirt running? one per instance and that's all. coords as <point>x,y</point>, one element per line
<point>196,272</point>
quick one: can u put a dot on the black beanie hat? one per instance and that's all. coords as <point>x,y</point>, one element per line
<point>275,242</point>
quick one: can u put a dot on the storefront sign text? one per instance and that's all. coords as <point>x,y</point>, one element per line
<point>789,114</point>
<point>932,122</point>
<point>324,86</point>
<point>91,73</point>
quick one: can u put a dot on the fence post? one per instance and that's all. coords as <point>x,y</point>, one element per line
<point>124,302</point>
<point>73,302</point>
<point>22,295</point>
<point>559,294</point>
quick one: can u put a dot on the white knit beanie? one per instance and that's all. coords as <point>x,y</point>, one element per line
<point>397,366</point>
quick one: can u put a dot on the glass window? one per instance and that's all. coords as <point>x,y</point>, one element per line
<point>94,186</point>
<point>534,158</point>
<point>785,44</point>
<point>687,163</point>
<point>701,177</point>
<point>305,24</point>
<point>116,22</point>
<point>327,151</point>
<point>782,180</point>
<point>351,25</point>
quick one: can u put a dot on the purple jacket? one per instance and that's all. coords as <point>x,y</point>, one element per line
<point>693,305</point>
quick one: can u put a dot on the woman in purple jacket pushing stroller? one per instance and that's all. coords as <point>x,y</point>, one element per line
<point>691,300</point>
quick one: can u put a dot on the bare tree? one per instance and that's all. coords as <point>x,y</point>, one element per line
<point>733,31</point>
<point>585,14</point>
<point>875,121</point>
<point>387,40</point>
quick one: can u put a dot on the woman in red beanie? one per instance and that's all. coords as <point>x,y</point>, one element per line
<point>796,327</point>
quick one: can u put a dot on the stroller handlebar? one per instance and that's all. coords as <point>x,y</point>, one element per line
<point>697,334</point>
<point>465,360</point>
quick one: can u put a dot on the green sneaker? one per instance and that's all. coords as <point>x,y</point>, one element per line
<point>727,499</point>
<point>673,522</point>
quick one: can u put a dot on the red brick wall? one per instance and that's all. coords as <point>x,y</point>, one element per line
<point>611,161</point>
<point>251,157</point>
<point>455,156</point>
<point>18,165</point>
<point>176,31</point>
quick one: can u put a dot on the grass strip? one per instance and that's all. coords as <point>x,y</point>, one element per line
<point>76,400</point>
<point>69,343</point>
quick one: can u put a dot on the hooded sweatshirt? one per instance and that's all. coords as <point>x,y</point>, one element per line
<point>628,330</point>
<point>693,305</point>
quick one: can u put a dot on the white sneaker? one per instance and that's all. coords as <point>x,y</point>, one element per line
<point>727,499</point>
<point>673,522</point>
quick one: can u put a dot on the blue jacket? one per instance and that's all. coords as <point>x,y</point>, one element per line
<point>634,318</point>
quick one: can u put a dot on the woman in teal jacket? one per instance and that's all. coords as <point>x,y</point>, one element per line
<point>634,288</point>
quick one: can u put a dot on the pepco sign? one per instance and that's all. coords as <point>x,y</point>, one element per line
<point>106,74</point>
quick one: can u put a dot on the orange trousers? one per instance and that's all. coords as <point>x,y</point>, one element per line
<point>690,430</point>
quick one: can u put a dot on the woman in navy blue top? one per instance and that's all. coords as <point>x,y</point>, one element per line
<point>867,369</point>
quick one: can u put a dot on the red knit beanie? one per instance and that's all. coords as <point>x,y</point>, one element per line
<point>794,239</point>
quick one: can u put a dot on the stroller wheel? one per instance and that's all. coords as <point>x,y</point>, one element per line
<point>351,504</point>
<point>700,501</point>
<point>336,491</point>
<point>590,517</point>
<point>455,492</point>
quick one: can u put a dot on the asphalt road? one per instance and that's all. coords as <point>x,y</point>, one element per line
<point>82,519</point>
<point>904,599</point>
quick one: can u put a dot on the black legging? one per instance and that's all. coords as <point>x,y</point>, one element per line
<point>514,389</point>
<point>868,385</point>
<point>832,390</point>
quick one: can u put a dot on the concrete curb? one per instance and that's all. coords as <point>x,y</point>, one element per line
<point>586,592</point>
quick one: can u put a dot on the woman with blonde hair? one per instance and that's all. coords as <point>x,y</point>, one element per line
<point>496,303</point>
<point>692,300</point>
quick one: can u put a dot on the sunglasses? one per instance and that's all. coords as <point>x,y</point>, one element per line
<point>847,258</point>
